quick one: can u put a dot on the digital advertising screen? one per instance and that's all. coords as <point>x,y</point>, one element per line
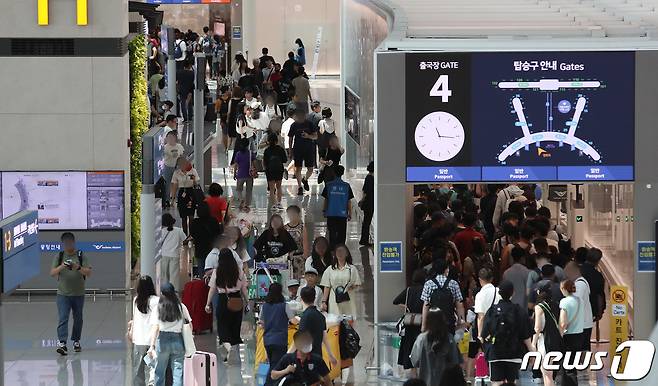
<point>66,200</point>
<point>20,249</point>
<point>520,116</point>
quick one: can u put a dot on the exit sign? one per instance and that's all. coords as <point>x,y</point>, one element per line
<point>579,218</point>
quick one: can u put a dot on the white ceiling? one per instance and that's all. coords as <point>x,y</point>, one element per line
<point>523,19</point>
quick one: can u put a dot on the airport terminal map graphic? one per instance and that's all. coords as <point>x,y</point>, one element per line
<point>530,116</point>
<point>66,200</point>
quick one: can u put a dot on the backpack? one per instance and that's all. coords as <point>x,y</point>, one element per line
<point>206,44</point>
<point>442,298</point>
<point>178,52</point>
<point>504,342</point>
<point>275,164</point>
<point>508,199</point>
<point>60,259</point>
<point>552,336</point>
<point>349,341</point>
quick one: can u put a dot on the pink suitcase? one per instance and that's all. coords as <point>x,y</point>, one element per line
<point>200,369</point>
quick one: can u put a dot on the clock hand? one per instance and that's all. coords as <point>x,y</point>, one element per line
<point>437,132</point>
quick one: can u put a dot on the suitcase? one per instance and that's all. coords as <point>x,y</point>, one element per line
<point>481,369</point>
<point>200,369</point>
<point>195,294</point>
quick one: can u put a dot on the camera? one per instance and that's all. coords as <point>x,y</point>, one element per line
<point>68,263</point>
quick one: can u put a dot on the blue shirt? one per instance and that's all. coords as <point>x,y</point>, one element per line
<point>337,193</point>
<point>275,318</point>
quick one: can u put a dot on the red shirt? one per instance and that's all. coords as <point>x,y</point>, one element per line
<point>464,242</point>
<point>218,206</point>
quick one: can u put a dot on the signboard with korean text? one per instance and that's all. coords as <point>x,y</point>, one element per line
<point>646,256</point>
<point>390,256</point>
<point>520,116</point>
<point>618,320</point>
<point>20,249</point>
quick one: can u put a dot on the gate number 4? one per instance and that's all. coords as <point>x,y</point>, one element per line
<point>441,89</point>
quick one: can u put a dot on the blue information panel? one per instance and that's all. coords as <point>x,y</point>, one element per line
<point>646,256</point>
<point>390,256</point>
<point>20,249</point>
<point>85,246</point>
<point>520,116</point>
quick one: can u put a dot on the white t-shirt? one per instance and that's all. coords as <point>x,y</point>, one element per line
<point>183,179</point>
<point>327,125</point>
<point>172,242</point>
<point>582,292</point>
<point>141,323</point>
<point>484,299</point>
<point>171,154</point>
<point>212,260</point>
<point>285,129</point>
<point>176,326</point>
<point>183,48</point>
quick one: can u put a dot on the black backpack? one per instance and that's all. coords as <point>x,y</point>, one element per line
<point>60,259</point>
<point>349,341</point>
<point>442,299</point>
<point>552,336</point>
<point>504,341</point>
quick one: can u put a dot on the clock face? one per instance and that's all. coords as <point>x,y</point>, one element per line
<point>439,136</point>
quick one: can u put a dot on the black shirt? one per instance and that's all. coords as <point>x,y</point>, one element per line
<point>333,155</point>
<point>521,325</point>
<point>597,288</point>
<point>314,323</point>
<point>205,231</point>
<point>308,372</point>
<point>296,130</point>
<point>274,158</point>
<point>185,80</point>
<point>369,190</point>
<point>268,245</point>
<point>263,61</point>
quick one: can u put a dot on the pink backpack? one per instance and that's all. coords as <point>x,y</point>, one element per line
<point>481,366</point>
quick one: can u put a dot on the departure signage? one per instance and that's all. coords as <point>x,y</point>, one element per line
<point>390,256</point>
<point>19,232</point>
<point>520,116</point>
<point>646,256</point>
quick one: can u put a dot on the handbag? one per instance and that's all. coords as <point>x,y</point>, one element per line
<point>253,171</point>
<point>188,338</point>
<point>410,318</point>
<point>341,293</point>
<point>233,304</point>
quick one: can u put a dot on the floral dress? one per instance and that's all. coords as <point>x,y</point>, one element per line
<point>297,257</point>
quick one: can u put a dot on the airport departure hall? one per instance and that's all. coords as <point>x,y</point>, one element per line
<point>328,192</point>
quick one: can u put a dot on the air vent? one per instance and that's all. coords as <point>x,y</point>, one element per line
<point>42,47</point>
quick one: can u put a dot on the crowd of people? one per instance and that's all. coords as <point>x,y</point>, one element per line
<point>492,272</point>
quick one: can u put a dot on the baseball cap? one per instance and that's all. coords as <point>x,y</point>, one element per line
<point>311,270</point>
<point>293,282</point>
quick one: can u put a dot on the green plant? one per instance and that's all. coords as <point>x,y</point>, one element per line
<point>139,121</point>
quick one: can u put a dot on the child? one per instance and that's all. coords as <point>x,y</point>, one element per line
<point>327,128</point>
<point>293,289</point>
<point>302,366</point>
<point>242,166</point>
<point>311,277</point>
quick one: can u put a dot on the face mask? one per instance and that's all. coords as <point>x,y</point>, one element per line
<point>306,349</point>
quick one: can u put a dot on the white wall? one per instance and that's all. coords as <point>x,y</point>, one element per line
<point>276,24</point>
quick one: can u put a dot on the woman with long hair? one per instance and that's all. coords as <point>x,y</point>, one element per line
<point>295,227</point>
<point>231,285</point>
<point>300,56</point>
<point>183,181</point>
<point>410,302</point>
<point>173,240</point>
<point>547,335</point>
<point>274,318</point>
<point>435,350</point>
<point>139,329</point>
<point>242,166</point>
<point>167,340</point>
<point>321,257</point>
<point>339,282</point>
<point>232,117</point>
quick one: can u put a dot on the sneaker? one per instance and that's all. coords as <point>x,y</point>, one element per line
<point>305,183</point>
<point>300,191</point>
<point>76,346</point>
<point>61,348</point>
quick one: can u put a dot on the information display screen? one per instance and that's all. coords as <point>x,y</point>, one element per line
<point>66,200</point>
<point>20,249</point>
<point>528,116</point>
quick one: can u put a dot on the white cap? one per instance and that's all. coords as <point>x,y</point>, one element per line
<point>293,282</point>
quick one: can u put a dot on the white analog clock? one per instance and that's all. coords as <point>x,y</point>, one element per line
<point>439,136</point>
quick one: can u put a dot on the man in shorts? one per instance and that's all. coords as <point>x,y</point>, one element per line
<point>302,137</point>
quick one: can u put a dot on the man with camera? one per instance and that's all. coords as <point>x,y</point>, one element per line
<point>71,268</point>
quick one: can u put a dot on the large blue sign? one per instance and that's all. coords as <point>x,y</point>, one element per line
<point>86,246</point>
<point>646,256</point>
<point>390,256</point>
<point>20,249</point>
<point>520,116</point>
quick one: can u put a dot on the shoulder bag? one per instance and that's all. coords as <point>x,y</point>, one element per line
<point>341,293</point>
<point>233,304</point>
<point>411,318</point>
<point>188,336</point>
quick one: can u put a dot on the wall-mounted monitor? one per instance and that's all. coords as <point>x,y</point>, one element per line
<point>67,200</point>
<point>520,116</point>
